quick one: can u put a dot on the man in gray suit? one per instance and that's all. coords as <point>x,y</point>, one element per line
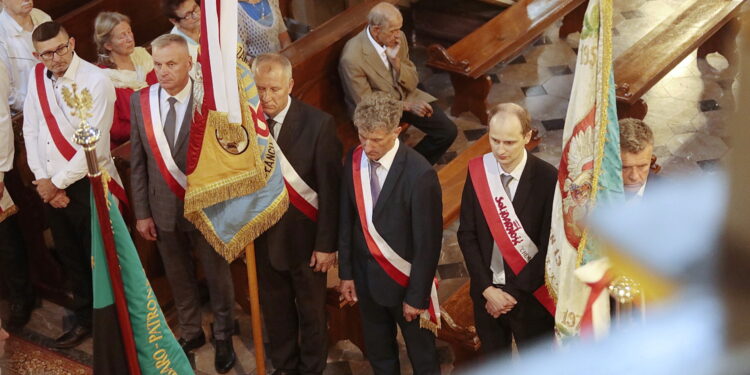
<point>377,59</point>
<point>159,136</point>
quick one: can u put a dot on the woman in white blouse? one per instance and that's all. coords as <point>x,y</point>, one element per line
<point>129,67</point>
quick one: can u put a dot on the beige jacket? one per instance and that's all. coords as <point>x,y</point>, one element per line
<point>362,72</point>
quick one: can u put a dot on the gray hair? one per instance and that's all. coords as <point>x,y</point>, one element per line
<point>262,62</point>
<point>378,110</point>
<point>103,25</point>
<point>382,14</point>
<point>635,135</point>
<point>166,39</point>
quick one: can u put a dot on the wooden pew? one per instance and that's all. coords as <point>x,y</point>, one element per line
<point>705,25</point>
<point>501,39</point>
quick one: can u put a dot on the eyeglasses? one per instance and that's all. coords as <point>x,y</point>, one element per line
<point>194,14</point>
<point>60,51</point>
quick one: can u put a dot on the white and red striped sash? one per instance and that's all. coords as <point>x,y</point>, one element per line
<point>393,264</point>
<point>301,195</point>
<point>54,116</point>
<point>511,239</point>
<point>157,141</point>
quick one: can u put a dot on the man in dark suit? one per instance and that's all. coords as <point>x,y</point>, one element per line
<point>295,254</point>
<point>377,59</point>
<point>159,136</point>
<point>506,275</point>
<point>390,239</point>
<point>636,149</point>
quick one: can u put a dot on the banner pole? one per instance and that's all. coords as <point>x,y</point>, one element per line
<point>252,279</point>
<point>87,137</point>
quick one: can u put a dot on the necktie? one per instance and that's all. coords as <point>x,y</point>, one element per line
<point>374,181</point>
<point>271,126</point>
<point>506,179</point>
<point>171,122</point>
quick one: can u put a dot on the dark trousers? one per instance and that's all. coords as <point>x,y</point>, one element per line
<point>527,323</point>
<point>440,132</point>
<point>14,264</point>
<point>71,230</point>
<point>379,326</point>
<point>294,310</point>
<point>175,250</point>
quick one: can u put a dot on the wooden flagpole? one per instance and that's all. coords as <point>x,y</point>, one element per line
<point>252,280</point>
<point>87,137</point>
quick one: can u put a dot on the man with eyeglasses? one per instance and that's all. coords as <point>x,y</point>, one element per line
<point>17,20</point>
<point>59,165</point>
<point>185,15</point>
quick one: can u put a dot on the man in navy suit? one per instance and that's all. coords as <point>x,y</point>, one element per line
<point>390,239</point>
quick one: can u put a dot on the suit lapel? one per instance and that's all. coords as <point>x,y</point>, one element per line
<point>187,121</point>
<point>391,179</point>
<point>523,191</point>
<point>288,128</point>
<point>371,57</point>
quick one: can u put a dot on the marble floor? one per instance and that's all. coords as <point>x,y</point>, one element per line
<point>688,110</point>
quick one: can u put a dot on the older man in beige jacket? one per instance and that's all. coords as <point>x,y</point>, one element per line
<point>377,59</point>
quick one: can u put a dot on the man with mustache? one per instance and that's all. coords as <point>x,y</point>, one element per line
<point>59,165</point>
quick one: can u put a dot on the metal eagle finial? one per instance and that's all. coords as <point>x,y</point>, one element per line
<point>81,104</point>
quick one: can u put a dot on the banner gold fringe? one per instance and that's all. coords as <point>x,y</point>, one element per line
<point>198,198</point>
<point>426,323</point>
<point>249,232</point>
<point>605,29</point>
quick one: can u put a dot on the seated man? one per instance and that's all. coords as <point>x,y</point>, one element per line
<point>636,148</point>
<point>377,59</point>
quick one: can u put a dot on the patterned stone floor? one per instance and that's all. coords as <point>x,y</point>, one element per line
<point>687,112</point>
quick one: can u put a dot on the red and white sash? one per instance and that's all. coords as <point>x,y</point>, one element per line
<point>301,195</point>
<point>54,117</point>
<point>157,141</point>
<point>511,239</point>
<point>394,265</point>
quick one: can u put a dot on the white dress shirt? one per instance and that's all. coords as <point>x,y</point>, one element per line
<point>6,126</point>
<point>496,263</point>
<point>17,44</point>
<point>180,106</point>
<point>44,159</point>
<point>279,118</point>
<point>379,49</point>
<point>386,161</point>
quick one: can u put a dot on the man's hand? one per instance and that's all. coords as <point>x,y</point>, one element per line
<point>46,189</point>
<point>411,313</point>
<point>60,200</point>
<point>498,301</point>
<point>321,261</point>
<point>146,228</point>
<point>391,52</point>
<point>420,108</point>
<point>2,189</point>
<point>346,288</point>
